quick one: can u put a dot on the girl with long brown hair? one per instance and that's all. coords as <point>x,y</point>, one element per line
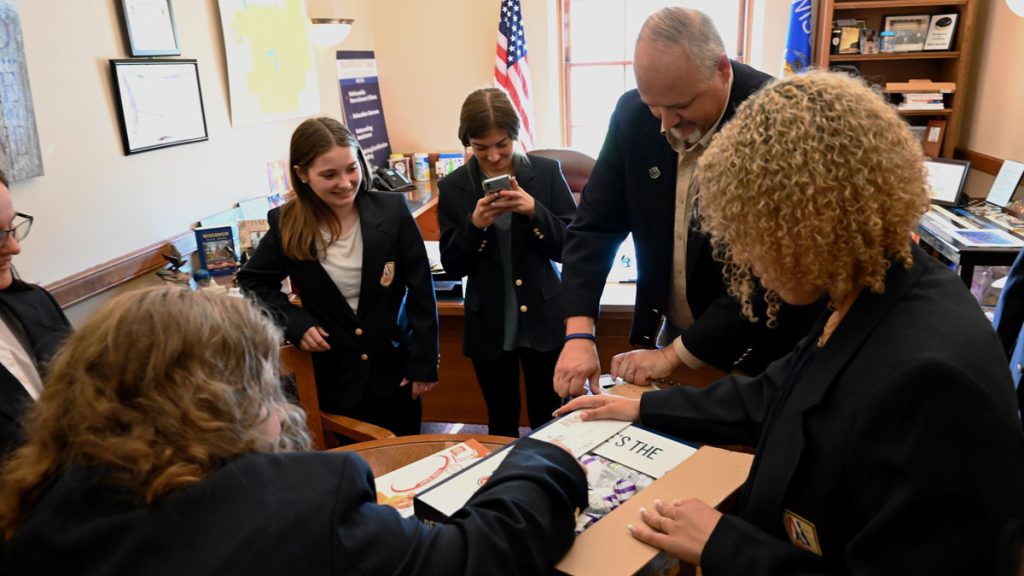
<point>357,259</point>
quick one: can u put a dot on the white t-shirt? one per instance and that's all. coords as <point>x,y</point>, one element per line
<point>18,362</point>
<point>343,261</point>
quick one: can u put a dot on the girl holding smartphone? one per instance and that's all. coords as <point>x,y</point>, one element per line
<point>506,241</point>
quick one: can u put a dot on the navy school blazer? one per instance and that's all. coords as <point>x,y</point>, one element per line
<point>633,189</point>
<point>536,246</point>
<point>896,449</point>
<point>392,336</point>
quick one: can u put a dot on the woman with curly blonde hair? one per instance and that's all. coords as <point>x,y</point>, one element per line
<point>891,431</point>
<point>161,444</point>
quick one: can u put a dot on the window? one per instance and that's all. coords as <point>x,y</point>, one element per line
<point>598,39</point>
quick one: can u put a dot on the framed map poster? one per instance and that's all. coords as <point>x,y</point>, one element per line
<point>271,70</point>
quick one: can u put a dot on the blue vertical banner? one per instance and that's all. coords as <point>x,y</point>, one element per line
<point>360,98</point>
<point>797,57</point>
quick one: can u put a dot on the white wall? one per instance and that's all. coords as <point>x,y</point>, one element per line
<point>94,204</point>
<point>995,114</point>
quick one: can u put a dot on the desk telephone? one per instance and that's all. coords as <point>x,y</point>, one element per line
<point>391,179</point>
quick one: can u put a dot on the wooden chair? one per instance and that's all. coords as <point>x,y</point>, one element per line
<point>298,364</point>
<point>576,166</point>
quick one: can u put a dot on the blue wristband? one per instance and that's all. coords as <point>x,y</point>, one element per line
<point>580,336</point>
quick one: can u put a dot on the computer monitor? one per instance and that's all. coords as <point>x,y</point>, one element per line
<point>946,180</point>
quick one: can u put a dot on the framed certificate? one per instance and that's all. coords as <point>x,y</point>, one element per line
<point>940,32</point>
<point>149,27</point>
<point>909,31</point>
<point>159,103</point>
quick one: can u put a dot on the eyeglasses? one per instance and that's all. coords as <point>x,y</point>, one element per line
<point>19,230</point>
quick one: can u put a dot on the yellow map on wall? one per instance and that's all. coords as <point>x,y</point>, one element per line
<point>271,70</point>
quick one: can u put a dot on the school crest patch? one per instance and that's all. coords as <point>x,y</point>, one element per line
<point>801,532</point>
<point>387,276</point>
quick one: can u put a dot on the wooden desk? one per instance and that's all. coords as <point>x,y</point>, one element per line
<point>457,397</point>
<point>967,258</point>
<point>387,455</point>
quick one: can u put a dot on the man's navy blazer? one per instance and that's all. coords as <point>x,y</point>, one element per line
<point>633,189</point>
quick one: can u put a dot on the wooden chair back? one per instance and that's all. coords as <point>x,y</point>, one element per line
<point>298,364</point>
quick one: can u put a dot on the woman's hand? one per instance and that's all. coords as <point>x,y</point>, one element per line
<point>516,200</point>
<point>603,407</point>
<point>419,388</point>
<point>313,340</point>
<point>682,528</point>
<point>485,213</point>
<point>637,366</point>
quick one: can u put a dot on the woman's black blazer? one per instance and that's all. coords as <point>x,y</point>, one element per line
<point>536,246</point>
<point>393,334</point>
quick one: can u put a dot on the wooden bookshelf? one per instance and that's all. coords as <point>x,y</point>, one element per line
<point>893,56</point>
<point>940,66</point>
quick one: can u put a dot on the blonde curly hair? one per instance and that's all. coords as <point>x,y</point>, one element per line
<point>159,389</point>
<point>819,182</point>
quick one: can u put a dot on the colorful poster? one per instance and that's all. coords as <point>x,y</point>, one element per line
<point>360,97</point>
<point>271,69</point>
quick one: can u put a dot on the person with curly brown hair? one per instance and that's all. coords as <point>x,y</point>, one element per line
<point>162,444</point>
<point>888,442</point>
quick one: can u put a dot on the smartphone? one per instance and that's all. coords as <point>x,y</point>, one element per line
<point>497,184</point>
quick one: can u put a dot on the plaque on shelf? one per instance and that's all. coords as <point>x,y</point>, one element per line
<point>940,32</point>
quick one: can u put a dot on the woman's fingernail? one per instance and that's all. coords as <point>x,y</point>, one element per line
<point>657,502</point>
<point>631,528</point>
<point>642,509</point>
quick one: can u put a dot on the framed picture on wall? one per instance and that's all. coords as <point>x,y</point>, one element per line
<point>159,103</point>
<point>149,28</point>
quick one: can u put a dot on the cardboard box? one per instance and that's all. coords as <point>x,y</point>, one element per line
<point>710,474</point>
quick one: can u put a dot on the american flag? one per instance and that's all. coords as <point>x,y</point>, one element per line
<point>512,68</point>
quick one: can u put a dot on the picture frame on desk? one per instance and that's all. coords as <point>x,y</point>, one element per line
<point>159,103</point>
<point>911,31</point>
<point>150,28</point>
<point>934,134</point>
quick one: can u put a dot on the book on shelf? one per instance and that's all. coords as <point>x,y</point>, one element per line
<point>920,85</point>
<point>217,251</point>
<point>920,101</point>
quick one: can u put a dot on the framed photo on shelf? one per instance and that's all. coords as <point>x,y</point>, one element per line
<point>940,32</point>
<point>149,28</point>
<point>849,40</point>
<point>159,103</point>
<point>910,31</point>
